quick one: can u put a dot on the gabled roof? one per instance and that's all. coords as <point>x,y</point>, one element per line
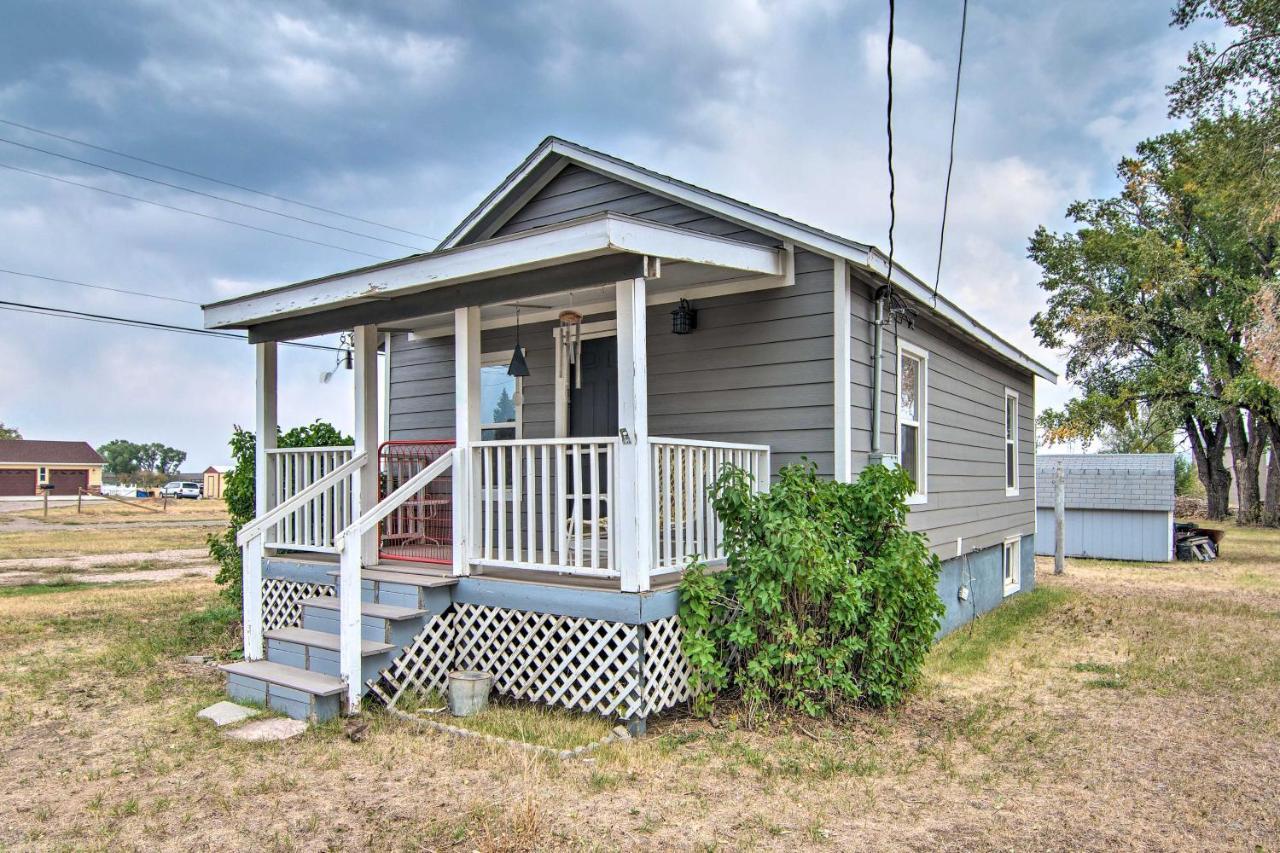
<point>48,452</point>
<point>555,153</point>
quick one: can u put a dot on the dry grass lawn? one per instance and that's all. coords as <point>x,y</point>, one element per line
<point>1128,707</point>
<point>78,541</point>
<point>143,511</point>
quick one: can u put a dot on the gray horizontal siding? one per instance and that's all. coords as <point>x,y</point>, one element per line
<point>964,435</point>
<point>577,192</point>
<point>758,370</point>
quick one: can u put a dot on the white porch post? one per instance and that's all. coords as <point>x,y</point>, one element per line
<point>265,421</point>
<point>466,372</point>
<point>364,494</point>
<point>633,510</point>
<point>843,373</point>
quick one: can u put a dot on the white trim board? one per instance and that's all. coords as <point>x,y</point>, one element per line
<point>865,256</point>
<point>579,239</point>
<point>668,297</point>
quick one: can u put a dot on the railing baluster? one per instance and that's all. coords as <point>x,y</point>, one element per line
<point>593,461</point>
<point>562,504</point>
<point>611,485</point>
<point>517,489</point>
<point>577,505</point>
<point>501,463</point>
<point>530,506</point>
<point>545,458</point>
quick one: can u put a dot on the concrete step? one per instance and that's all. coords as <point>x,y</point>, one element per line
<point>316,651</point>
<point>294,692</point>
<point>382,623</point>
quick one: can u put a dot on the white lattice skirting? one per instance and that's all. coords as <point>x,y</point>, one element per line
<point>280,597</point>
<point>591,665</point>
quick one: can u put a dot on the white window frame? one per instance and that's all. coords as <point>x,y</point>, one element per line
<point>1010,491</point>
<point>44,474</point>
<point>1011,552</point>
<point>921,495</point>
<point>503,359</point>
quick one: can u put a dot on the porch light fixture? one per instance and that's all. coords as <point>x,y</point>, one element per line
<point>518,366</point>
<point>684,319</point>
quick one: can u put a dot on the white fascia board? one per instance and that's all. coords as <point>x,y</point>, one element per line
<point>867,257</point>
<point>580,239</point>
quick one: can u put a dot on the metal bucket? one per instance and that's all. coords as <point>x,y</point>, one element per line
<point>469,692</point>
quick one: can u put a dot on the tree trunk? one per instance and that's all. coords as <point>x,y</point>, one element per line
<point>1248,441</point>
<point>1208,444</point>
<point>1271,503</point>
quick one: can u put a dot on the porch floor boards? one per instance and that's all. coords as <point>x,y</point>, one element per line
<point>409,569</point>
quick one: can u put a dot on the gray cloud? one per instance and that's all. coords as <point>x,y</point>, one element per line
<point>410,113</point>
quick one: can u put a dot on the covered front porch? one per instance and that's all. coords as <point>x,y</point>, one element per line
<point>598,505</point>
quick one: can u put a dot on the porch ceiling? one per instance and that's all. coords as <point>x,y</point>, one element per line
<point>579,254</point>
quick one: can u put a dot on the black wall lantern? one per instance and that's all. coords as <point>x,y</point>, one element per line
<point>518,366</point>
<point>684,319</point>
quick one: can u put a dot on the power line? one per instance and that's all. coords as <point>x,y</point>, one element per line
<point>191,212</point>
<point>99,287</point>
<point>241,187</point>
<point>107,319</point>
<point>888,121</point>
<point>951,156</point>
<point>207,195</point>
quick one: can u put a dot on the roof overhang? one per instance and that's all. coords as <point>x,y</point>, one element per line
<point>553,154</point>
<point>593,249</point>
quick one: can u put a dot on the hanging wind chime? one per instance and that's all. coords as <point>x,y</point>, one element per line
<point>571,345</point>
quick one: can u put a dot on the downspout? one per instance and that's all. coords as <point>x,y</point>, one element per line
<point>877,377</point>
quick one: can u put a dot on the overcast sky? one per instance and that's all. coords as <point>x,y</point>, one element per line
<point>408,114</point>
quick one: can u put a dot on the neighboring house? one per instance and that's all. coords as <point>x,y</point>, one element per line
<point>66,466</point>
<point>213,480</point>
<point>537,526</point>
<point>1119,506</point>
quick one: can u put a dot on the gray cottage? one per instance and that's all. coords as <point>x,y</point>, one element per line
<point>531,515</point>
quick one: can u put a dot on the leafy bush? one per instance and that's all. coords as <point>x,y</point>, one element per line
<point>239,491</point>
<point>827,597</point>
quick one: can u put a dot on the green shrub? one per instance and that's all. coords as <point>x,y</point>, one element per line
<point>827,597</point>
<point>239,491</point>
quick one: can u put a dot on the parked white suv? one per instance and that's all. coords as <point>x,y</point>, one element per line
<point>179,489</point>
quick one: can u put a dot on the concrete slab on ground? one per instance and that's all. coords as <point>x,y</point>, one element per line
<point>225,713</point>
<point>276,728</point>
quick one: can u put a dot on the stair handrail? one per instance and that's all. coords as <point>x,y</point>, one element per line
<point>392,502</point>
<point>262,522</point>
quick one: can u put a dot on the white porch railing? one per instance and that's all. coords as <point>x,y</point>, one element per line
<point>350,564</point>
<point>685,524</point>
<point>250,539</point>
<point>544,504</point>
<point>312,524</point>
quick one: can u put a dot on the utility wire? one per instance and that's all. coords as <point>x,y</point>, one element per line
<point>951,156</point>
<point>207,195</point>
<point>888,121</point>
<point>68,314</point>
<point>191,212</point>
<point>99,287</point>
<point>241,187</point>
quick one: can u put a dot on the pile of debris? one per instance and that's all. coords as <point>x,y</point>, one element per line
<point>1193,542</point>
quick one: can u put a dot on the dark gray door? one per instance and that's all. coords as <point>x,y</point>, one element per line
<point>593,408</point>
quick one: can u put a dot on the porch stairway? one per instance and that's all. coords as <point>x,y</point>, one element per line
<point>299,676</point>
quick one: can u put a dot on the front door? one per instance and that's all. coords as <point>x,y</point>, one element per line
<point>593,408</point>
<point>593,413</point>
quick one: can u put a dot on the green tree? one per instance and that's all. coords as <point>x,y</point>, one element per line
<point>122,457</point>
<point>504,411</point>
<point>9,433</point>
<point>239,492</point>
<point>1151,296</point>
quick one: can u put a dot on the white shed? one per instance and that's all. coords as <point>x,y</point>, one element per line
<point>1119,505</point>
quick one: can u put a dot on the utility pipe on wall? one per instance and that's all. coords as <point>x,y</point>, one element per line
<point>877,377</point>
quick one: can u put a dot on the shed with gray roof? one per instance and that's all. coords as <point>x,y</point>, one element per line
<point>1119,506</point>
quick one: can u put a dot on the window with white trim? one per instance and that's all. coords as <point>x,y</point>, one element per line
<point>1012,565</point>
<point>913,406</point>
<point>501,399</point>
<point>1010,442</point>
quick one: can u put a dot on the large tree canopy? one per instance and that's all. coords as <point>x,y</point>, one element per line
<point>1152,296</point>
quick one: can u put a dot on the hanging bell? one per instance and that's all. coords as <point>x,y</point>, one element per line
<point>518,366</point>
